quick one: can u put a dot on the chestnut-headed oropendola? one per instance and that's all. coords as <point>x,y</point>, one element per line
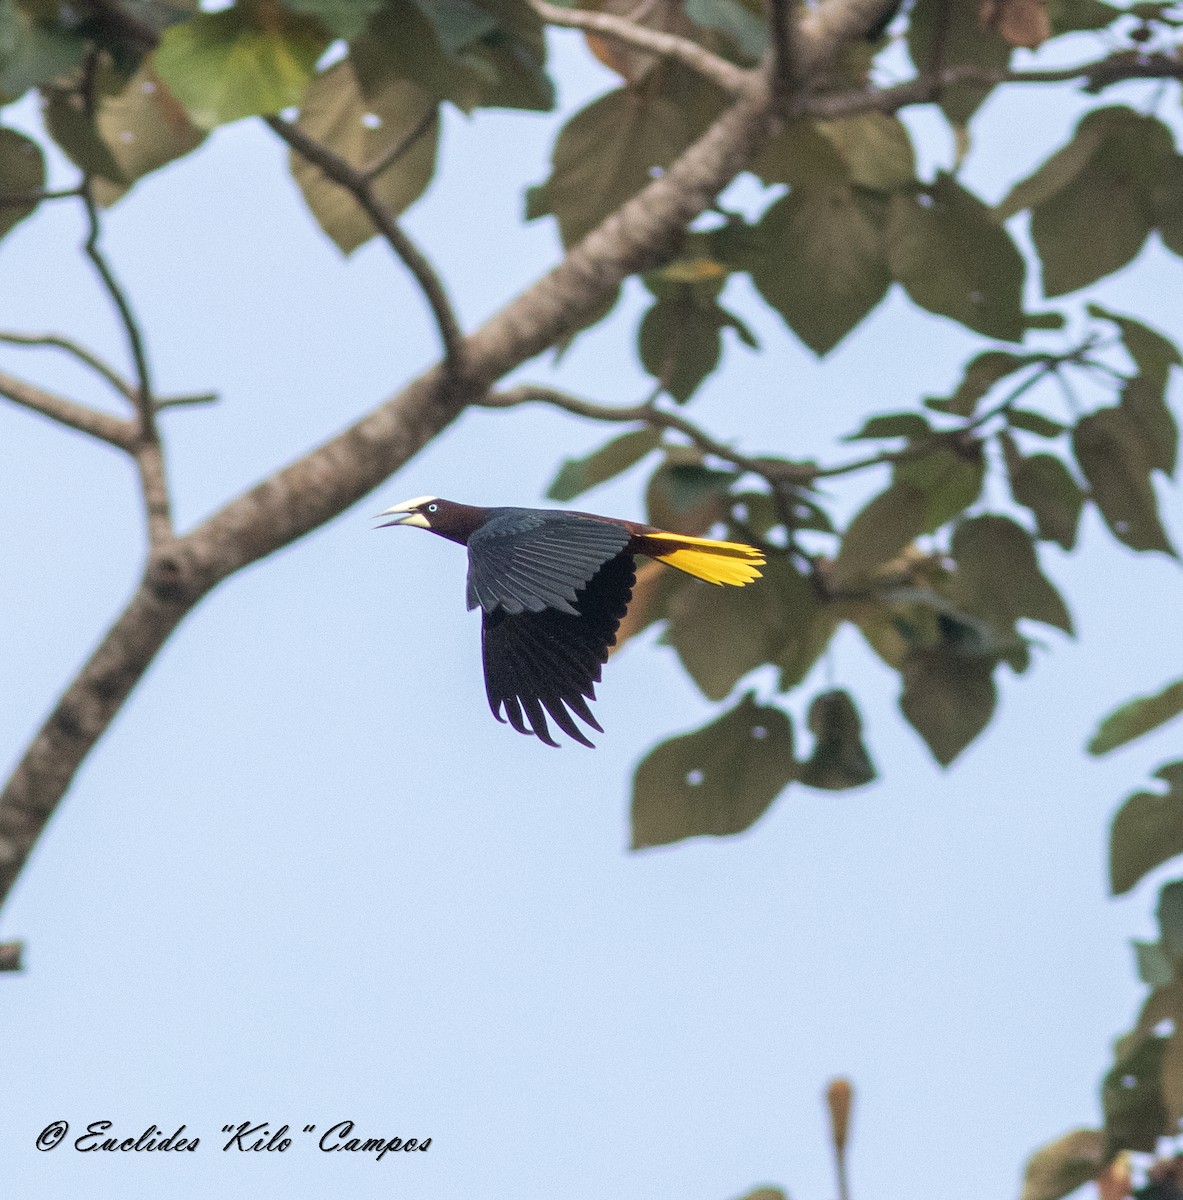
<point>552,587</point>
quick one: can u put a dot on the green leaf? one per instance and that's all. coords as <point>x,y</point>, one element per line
<point>1062,1166</point>
<point>947,698</point>
<point>32,50</point>
<point>950,479</point>
<point>22,169</point>
<point>801,156</point>
<point>1136,718</point>
<point>686,497</point>
<point>1131,1093</point>
<point>361,129</point>
<point>721,634</point>
<point>1170,904</point>
<point>1143,401</point>
<point>891,425</point>
<point>839,759</point>
<point>1044,485</point>
<point>876,149</point>
<point>1112,189</point>
<point>765,1193</point>
<point>342,18</point>
<point>1033,422</point>
<point>579,475</point>
<point>458,23</point>
<point>1069,15</point>
<point>242,62</point>
<point>1147,830</point>
<point>965,43</point>
<point>1111,454</point>
<point>716,781</point>
<point>743,24</point>
<point>1153,353</point>
<point>891,521</point>
<point>606,154</point>
<point>954,259</point>
<point>680,342</point>
<point>998,575</point>
<point>1058,173</point>
<point>1154,965</point>
<point>823,266</point>
<point>981,374</point>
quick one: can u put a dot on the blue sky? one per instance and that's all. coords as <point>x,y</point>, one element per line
<point>306,877</point>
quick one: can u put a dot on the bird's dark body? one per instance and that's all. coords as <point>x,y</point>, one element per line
<point>552,588</point>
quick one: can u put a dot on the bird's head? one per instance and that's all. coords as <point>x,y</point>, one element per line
<point>445,517</point>
<point>419,511</point>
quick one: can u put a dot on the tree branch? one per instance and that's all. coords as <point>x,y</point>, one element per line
<point>665,45</point>
<point>359,183</point>
<point>115,430</point>
<point>84,356</point>
<point>10,956</point>
<point>785,33</point>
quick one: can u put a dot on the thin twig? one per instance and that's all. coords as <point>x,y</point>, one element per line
<point>385,161</point>
<point>135,341</point>
<point>28,199</point>
<point>186,401</point>
<point>360,187</point>
<point>86,357</point>
<point>116,430</point>
<point>666,45</point>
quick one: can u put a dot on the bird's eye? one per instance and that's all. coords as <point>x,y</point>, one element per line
<point>432,507</point>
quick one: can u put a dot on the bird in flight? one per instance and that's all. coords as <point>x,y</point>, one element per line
<point>552,587</point>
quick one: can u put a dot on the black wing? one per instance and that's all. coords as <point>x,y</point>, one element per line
<point>523,561</point>
<point>551,660</point>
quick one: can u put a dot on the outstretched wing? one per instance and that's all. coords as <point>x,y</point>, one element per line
<point>522,561</point>
<point>551,660</point>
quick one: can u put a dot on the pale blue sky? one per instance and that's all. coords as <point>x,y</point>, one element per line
<point>306,877</point>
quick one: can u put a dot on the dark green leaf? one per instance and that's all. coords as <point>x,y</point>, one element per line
<point>342,18</point>
<point>1069,15</point>
<point>1153,353</point>
<point>1147,830</point>
<point>1055,175</point>
<point>1033,422</point>
<point>680,342</point>
<point>1110,451</point>
<point>965,43</point>
<point>458,23</point>
<point>1044,485</point>
<point>578,475</point>
<point>1143,401</point>
<point>1062,1166</point>
<point>981,374</point>
<point>891,425</point>
<point>606,154</point>
<point>1154,965</point>
<point>948,699</point>
<point>32,50</point>
<point>950,479</point>
<point>721,634</point>
<point>839,759</point>
<point>244,61</point>
<point>22,169</point>
<point>361,129</point>
<point>742,23</point>
<point>998,575</point>
<point>954,259</point>
<point>1113,190</point>
<point>891,521</point>
<point>801,156</point>
<point>686,497</point>
<point>1131,1093</point>
<point>1137,717</point>
<point>1170,903</point>
<point>716,781</point>
<point>823,266</point>
<point>876,149</point>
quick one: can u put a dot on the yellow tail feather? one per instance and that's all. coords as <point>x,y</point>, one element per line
<point>730,563</point>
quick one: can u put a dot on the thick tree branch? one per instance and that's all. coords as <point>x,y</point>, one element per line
<point>72,348</point>
<point>666,45</point>
<point>10,956</point>
<point>785,32</point>
<point>115,430</point>
<point>359,182</point>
